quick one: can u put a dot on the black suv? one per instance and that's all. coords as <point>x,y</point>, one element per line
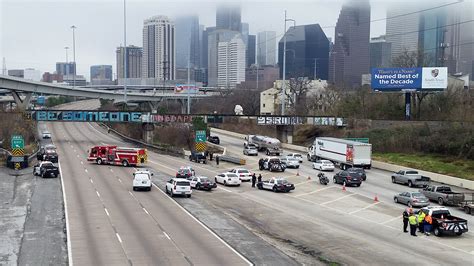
<point>214,139</point>
<point>359,171</point>
<point>198,157</point>
<point>349,178</point>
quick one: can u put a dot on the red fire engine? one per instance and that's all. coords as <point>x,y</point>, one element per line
<point>117,155</point>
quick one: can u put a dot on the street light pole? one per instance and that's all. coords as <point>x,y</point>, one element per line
<point>125,60</point>
<point>189,97</point>
<point>315,62</point>
<point>283,86</point>
<point>74,54</point>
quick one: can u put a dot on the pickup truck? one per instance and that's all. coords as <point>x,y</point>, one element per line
<point>443,195</point>
<point>198,157</point>
<point>411,178</point>
<point>46,169</point>
<point>444,223</point>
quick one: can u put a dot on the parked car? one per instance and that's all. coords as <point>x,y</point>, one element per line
<point>443,195</point>
<point>273,164</point>
<point>198,157</point>
<point>250,150</point>
<point>412,199</point>
<point>228,179</point>
<point>296,156</point>
<point>46,134</point>
<point>323,165</point>
<point>202,182</point>
<point>411,178</point>
<point>178,186</point>
<point>348,178</point>
<point>444,223</point>
<point>244,174</point>
<point>214,139</point>
<point>276,184</point>
<point>142,180</point>
<point>185,172</point>
<point>291,162</point>
<point>46,169</point>
<point>359,171</point>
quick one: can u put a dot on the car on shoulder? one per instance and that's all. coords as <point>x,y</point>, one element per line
<point>412,199</point>
<point>185,172</point>
<point>244,174</point>
<point>276,184</point>
<point>228,179</point>
<point>198,157</point>
<point>323,165</point>
<point>291,162</point>
<point>142,180</point>
<point>296,156</point>
<point>359,171</point>
<point>178,186</point>
<point>250,150</point>
<point>214,139</point>
<point>348,178</point>
<point>202,182</point>
<point>46,134</point>
<point>47,153</point>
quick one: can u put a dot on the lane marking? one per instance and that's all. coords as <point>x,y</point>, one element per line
<point>68,231</point>
<point>120,180</point>
<point>106,212</point>
<point>167,236</point>
<point>391,220</point>
<point>118,237</point>
<point>304,182</point>
<point>225,189</point>
<point>314,191</point>
<point>91,181</point>
<point>131,194</point>
<point>85,170</point>
<point>146,211</point>
<point>365,208</point>
<point>97,192</point>
<point>331,201</point>
<point>82,162</point>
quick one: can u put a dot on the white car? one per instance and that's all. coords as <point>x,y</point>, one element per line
<point>178,186</point>
<point>202,182</point>
<point>297,156</point>
<point>142,180</point>
<point>228,179</point>
<point>323,165</point>
<point>244,174</point>
<point>46,135</point>
<point>291,162</point>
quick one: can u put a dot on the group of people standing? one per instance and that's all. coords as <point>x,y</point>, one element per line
<point>256,179</point>
<point>420,220</point>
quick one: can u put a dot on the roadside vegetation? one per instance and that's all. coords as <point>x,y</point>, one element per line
<point>15,124</point>
<point>54,101</point>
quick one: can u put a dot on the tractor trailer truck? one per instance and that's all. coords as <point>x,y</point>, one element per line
<point>345,153</point>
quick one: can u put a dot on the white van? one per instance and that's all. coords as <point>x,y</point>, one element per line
<point>142,180</point>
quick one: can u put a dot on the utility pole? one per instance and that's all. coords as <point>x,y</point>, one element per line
<point>74,54</point>
<point>315,62</point>
<point>4,67</point>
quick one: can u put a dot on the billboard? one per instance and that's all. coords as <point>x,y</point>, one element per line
<point>401,79</point>
<point>186,88</point>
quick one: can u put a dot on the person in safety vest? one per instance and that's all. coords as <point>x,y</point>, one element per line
<point>428,223</point>
<point>413,222</point>
<point>421,219</point>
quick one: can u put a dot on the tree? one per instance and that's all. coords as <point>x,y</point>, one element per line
<point>295,92</point>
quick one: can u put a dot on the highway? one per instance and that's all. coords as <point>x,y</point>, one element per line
<point>109,224</point>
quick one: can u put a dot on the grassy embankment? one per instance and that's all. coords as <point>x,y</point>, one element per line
<point>446,165</point>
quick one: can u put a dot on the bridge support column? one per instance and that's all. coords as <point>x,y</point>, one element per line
<point>153,106</point>
<point>183,106</point>
<point>148,132</point>
<point>22,105</point>
<point>285,133</point>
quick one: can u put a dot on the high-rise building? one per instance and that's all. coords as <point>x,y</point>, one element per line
<point>260,77</point>
<point>431,37</point>
<point>204,46</point>
<point>159,60</point>
<point>19,73</point>
<point>187,42</point>
<point>102,72</point>
<point>52,77</point>
<point>65,68</point>
<point>402,28</point>
<point>231,62</point>
<point>307,52</point>
<point>228,17</point>
<point>244,29</point>
<point>134,62</point>
<point>266,48</point>
<point>380,52</point>
<point>350,57</point>
<point>214,38</point>
<point>251,47</point>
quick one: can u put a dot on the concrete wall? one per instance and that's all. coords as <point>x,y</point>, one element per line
<point>449,180</point>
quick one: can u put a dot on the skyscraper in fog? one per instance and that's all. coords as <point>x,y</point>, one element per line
<point>266,48</point>
<point>228,17</point>
<point>187,41</point>
<point>350,57</point>
<point>251,50</point>
<point>159,48</point>
<point>134,62</point>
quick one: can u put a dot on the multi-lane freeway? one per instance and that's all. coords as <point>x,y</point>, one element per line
<point>110,224</point>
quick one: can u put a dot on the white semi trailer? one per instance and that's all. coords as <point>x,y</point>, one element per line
<point>345,153</point>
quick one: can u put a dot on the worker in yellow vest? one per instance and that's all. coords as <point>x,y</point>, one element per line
<point>421,219</point>
<point>412,220</point>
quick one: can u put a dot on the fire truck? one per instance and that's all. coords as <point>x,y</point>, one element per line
<point>117,155</point>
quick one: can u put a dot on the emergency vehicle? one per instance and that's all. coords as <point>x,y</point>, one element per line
<point>117,155</point>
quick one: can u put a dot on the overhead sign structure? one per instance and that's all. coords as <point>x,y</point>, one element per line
<point>409,79</point>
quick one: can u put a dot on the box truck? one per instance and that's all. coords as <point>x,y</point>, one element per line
<point>345,153</point>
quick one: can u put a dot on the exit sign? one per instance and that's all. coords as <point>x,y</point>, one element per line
<point>17,142</point>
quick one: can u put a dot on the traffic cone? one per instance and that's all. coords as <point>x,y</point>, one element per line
<point>309,177</point>
<point>344,186</point>
<point>376,199</point>
<point>298,173</point>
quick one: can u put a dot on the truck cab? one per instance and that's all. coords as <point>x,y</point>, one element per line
<point>444,223</point>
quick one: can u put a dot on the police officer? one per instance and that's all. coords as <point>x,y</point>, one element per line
<point>406,214</point>
<point>413,222</point>
<point>217,160</point>
<point>260,164</point>
<point>254,179</point>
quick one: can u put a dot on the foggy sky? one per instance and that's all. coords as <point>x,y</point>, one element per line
<point>33,34</point>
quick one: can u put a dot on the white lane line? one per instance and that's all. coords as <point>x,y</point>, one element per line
<point>304,182</point>
<point>219,187</point>
<point>82,162</point>
<point>204,226</point>
<point>146,211</point>
<point>331,201</point>
<point>365,208</point>
<point>77,156</point>
<point>315,191</point>
<point>118,237</point>
<point>131,194</point>
<point>92,182</point>
<point>68,232</point>
<point>167,236</point>
<point>111,170</point>
<point>97,192</point>
<point>391,220</point>
<point>85,170</point>
<point>106,212</point>
<point>120,180</point>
